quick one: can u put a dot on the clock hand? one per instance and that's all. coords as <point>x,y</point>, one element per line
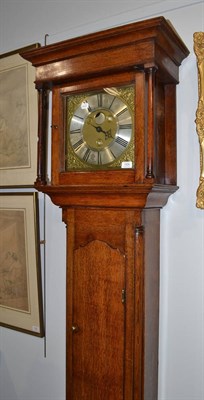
<point>107,134</point>
<point>98,129</point>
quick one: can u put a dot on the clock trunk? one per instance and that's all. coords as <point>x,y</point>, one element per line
<point>111,345</point>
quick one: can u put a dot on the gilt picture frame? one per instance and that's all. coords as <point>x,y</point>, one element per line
<point>18,120</point>
<point>199,52</point>
<point>20,271</point>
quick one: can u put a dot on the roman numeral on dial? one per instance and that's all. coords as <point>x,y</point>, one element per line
<point>121,141</point>
<point>99,158</point>
<point>100,99</point>
<point>121,112</point>
<point>78,118</point>
<point>125,126</point>
<point>76,146</point>
<point>75,131</point>
<point>86,155</point>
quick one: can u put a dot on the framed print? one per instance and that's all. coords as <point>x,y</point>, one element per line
<point>199,52</point>
<point>18,121</point>
<point>20,275</point>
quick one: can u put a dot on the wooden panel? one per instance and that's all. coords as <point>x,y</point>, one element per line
<point>170,140</point>
<point>101,262</point>
<point>139,315</point>
<point>151,220</point>
<point>99,314</point>
<point>89,64</point>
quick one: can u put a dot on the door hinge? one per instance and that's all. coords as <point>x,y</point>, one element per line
<point>123,296</point>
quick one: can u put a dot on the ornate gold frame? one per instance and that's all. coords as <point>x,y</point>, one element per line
<point>199,52</point>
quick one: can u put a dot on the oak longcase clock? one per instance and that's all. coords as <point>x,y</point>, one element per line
<point>113,166</point>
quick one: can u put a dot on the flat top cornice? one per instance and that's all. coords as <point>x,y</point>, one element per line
<point>156,29</point>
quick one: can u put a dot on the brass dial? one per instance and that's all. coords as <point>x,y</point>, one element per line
<point>100,131</point>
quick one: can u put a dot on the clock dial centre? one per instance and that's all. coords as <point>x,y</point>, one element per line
<point>99,130</point>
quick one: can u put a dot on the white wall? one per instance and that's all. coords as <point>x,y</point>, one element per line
<point>26,372</point>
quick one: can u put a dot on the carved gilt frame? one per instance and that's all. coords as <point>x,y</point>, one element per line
<point>199,52</point>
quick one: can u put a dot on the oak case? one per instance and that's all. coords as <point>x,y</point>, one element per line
<point>112,214</point>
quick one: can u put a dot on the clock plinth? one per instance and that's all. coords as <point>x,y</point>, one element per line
<point>113,167</point>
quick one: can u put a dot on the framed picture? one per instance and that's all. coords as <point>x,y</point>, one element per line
<point>18,120</point>
<point>199,52</point>
<point>20,272</point>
